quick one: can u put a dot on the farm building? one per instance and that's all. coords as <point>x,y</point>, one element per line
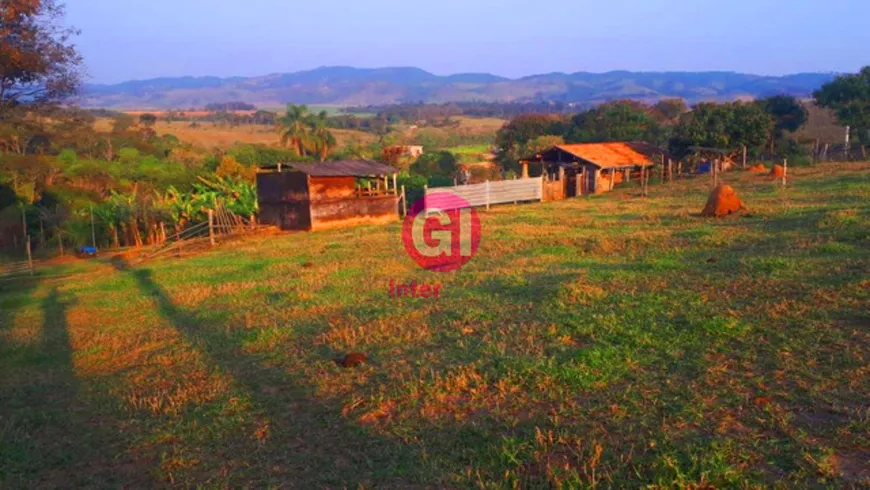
<point>413,151</point>
<point>587,168</point>
<point>316,196</point>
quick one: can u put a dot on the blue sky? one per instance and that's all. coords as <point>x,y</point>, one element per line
<point>134,39</point>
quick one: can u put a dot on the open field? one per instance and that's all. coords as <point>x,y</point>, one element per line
<point>611,341</point>
<point>471,154</point>
<point>469,131</point>
<point>209,136</point>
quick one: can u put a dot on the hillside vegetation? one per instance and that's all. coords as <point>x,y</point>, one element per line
<point>611,341</point>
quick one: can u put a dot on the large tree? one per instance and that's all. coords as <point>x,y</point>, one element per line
<point>788,115</point>
<point>671,109</point>
<point>849,97</point>
<point>322,139</point>
<point>511,139</point>
<point>294,129</point>
<point>436,164</point>
<point>723,126</point>
<point>37,61</point>
<point>623,120</point>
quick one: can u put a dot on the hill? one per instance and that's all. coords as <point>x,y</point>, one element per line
<point>347,86</point>
<point>590,342</point>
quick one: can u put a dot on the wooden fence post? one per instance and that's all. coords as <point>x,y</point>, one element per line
<point>404,202</point>
<point>93,229</point>
<point>713,165</point>
<point>29,255</point>
<point>211,227</point>
<point>487,194</point>
<point>24,220</point>
<point>425,204</point>
<point>646,186</point>
<point>395,186</point>
<point>784,170</point>
<point>744,156</point>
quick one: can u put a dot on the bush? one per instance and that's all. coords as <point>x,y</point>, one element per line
<point>414,185</point>
<point>437,164</point>
<point>482,173</point>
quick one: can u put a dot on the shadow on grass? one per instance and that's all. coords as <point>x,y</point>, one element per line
<point>51,435</point>
<point>309,442</point>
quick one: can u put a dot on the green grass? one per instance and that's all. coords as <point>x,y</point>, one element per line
<point>470,153</point>
<point>590,343</point>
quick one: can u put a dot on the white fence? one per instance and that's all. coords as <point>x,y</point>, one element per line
<point>501,191</point>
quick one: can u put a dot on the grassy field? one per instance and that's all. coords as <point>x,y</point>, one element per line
<point>209,136</point>
<point>472,153</point>
<point>611,341</point>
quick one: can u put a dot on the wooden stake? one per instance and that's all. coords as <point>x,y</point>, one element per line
<point>487,194</point>
<point>612,178</point>
<point>404,202</point>
<point>23,220</point>
<point>93,230</point>
<point>642,175</point>
<point>395,187</point>
<point>784,170</point>
<point>744,156</point>
<point>211,227</point>
<point>29,255</point>
<point>713,166</point>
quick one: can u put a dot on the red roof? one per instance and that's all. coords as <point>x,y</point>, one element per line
<point>607,155</point>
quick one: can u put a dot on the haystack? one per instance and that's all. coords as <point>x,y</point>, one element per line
<point>758,169</point>
<point>777,171</point>
<point>723,201</point>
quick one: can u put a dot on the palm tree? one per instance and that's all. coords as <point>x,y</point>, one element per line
<point>294,128</point>
<point>322,138</point>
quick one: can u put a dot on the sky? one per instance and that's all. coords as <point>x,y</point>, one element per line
<point>137,39</point>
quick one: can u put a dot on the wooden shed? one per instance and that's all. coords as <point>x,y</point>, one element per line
<point>587,168</point>
<point>316,196</point>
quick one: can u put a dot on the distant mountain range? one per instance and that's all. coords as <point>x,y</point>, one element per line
<point>346,86</point>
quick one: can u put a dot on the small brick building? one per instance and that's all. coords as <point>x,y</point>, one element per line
<point>316,196</point>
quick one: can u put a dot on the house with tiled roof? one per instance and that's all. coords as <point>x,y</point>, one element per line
<point>587,168</point>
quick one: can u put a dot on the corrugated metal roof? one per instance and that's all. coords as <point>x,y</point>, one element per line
<point>607,155</point>
<point>343,168</point>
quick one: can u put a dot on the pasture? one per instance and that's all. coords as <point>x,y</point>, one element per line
<point>208,136</point>
<point>611,341</point>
